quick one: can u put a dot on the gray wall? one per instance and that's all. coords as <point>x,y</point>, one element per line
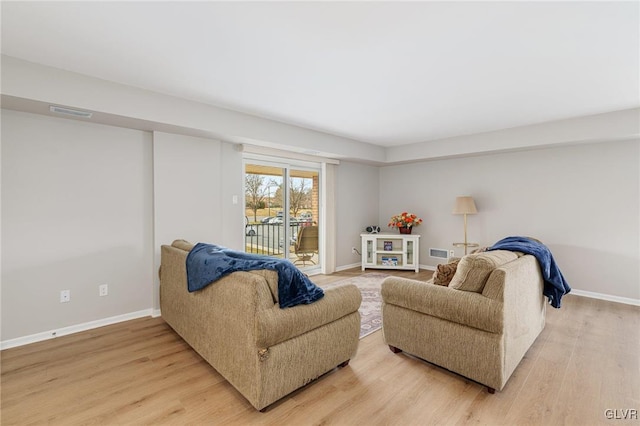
<point>582,201</point>
<point>85,204</point>
<point>194,186</point>
<point>357,202</point>
<point>76,213</point>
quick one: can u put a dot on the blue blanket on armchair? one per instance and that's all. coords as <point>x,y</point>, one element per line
<point>555,286</point>
<point>207,263</point>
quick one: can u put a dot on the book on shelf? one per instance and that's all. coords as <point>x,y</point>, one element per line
<point>388,245</point>
<point>389,261</point>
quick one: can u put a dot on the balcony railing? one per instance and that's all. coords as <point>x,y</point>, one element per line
<point>269,239</point>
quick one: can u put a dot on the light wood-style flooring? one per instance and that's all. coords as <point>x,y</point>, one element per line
<point>587,360</point>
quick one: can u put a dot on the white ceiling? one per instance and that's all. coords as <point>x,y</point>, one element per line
<point>379,72</point>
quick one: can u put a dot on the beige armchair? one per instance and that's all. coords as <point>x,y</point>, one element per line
<point>237,326</point>
<point>481,329</point>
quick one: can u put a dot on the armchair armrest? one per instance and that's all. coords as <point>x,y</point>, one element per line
<point>462,307</point>
<point>275,325</point>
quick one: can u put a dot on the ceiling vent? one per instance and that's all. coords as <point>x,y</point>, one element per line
<point>68,111</point>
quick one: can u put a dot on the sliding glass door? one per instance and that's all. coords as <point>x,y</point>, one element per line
<point>282,211</point>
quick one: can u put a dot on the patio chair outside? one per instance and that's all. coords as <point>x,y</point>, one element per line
<point>306,245</point>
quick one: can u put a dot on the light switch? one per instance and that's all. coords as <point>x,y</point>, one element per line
<point>234,199</point>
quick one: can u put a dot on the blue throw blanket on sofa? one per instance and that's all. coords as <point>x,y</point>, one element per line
<point>555,286</point>
<point>207,263</point>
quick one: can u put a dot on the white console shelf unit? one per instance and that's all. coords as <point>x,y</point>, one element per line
<point>390,251</point>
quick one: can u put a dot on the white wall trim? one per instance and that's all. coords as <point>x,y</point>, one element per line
<point>357,265</point>
<point>27,86</point>
<point>606,127</point>
<point>52,334</point>
<point>31,87</point>
<point>601,296</point>
<point>328,213</point>
<point>345,267</point>
<point>155,313</point>
<point>279,153</point>
<point>582,293</point>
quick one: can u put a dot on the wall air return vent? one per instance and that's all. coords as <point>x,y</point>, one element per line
<point>69,111</point>
<point>439,253</point>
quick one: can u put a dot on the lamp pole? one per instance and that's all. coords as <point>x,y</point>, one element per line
<point>465,234</point>
<point>271,185</point>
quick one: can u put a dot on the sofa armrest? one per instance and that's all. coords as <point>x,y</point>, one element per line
<point>462,307</point>
<point>522,288</point>
<point>275,325</point>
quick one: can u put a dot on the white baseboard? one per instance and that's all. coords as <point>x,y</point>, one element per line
<point>618,299</point>
<point>357,265</point>
<point>52,334</point>
<point>345,267</point>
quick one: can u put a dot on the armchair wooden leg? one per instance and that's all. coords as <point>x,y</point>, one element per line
<point>491,390</point>
<point>394,349</point>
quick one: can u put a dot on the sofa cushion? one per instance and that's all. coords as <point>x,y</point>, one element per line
<point>461,307</point>
<point>474,269</point>
<point>445,272</point>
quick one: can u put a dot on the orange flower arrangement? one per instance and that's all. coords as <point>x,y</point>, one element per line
<point>404,220</point>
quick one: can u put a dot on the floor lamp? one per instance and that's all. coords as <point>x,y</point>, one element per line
<point>465,205</point>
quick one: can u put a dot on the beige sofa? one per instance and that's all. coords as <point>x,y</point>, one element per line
<point>236,325</point>
<point>480,329</point>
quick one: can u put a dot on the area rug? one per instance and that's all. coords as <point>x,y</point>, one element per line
<point>371,307</point>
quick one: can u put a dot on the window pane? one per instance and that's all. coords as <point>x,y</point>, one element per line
<point>280,201</point>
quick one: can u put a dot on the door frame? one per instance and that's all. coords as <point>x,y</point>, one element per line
<point>288,164</point>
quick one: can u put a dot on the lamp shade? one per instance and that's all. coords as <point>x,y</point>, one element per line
<point>465,205</point>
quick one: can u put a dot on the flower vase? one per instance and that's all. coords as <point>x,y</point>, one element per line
<point>405,230</point>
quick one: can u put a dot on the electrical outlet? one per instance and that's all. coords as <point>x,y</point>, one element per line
<point>103,289</point>
<point>354,250</point>
<point>65,296</point>
<point>452,253</point>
